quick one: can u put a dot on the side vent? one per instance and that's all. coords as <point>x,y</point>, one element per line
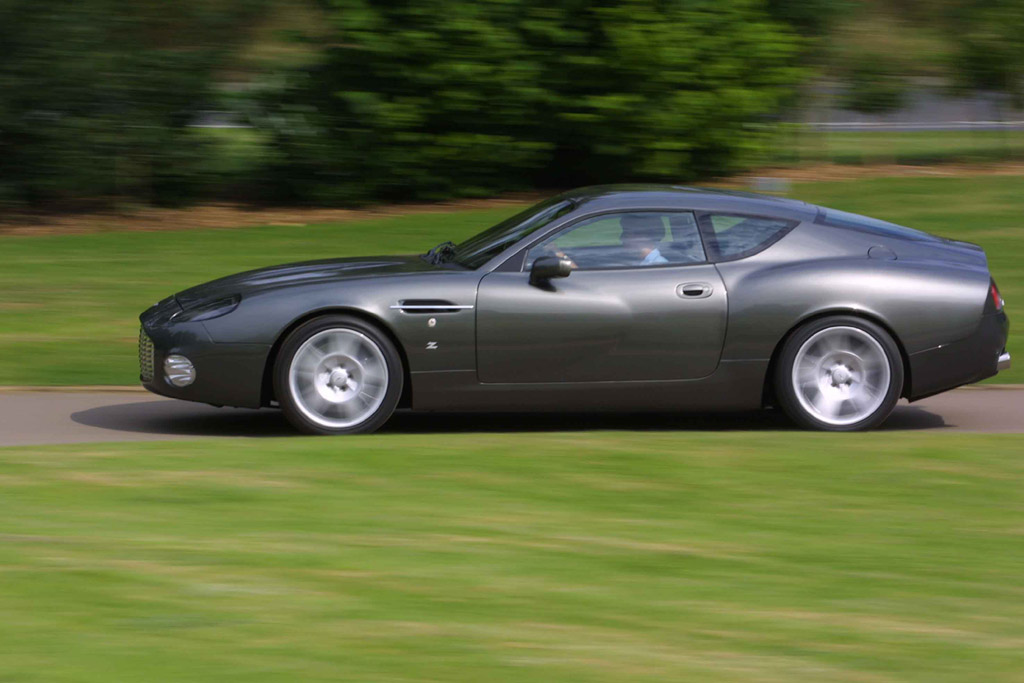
<point>429,306</point>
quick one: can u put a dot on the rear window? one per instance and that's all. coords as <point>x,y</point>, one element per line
<point>844,219</point>
<point>730,237</point>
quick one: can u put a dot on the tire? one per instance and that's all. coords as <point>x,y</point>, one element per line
<point>338,374</point>
<point>839,374</point>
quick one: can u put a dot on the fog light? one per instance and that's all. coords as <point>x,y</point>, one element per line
<point>179,371</point>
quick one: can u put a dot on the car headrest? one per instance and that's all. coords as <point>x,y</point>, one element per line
<point>642,226</point>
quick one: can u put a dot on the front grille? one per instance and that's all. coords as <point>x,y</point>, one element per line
<point>145,356</point>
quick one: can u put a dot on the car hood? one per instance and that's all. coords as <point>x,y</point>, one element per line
<point>307,272</point>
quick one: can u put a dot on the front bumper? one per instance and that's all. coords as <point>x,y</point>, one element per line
<point>226,374</point>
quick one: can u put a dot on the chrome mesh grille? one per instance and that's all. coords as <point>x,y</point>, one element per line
<point>145,356</point>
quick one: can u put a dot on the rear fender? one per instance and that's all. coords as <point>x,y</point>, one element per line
<point>924,305</point>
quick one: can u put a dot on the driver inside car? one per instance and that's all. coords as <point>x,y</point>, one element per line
<point>641,236</point>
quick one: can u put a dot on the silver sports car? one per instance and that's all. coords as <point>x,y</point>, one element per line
<point>626,298</point>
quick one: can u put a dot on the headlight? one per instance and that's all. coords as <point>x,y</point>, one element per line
<point>208,310</point>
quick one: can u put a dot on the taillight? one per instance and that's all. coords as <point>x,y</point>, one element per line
<point>997,299</point>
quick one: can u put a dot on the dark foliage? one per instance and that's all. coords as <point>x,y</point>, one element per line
<point>435,98</point>
<point>96,95</point>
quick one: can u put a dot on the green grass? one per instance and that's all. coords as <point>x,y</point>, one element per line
<point>802,145</point>
<point>69,303</point>
<point>610,556</point>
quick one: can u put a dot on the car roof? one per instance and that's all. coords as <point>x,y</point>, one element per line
<point>636,196</point>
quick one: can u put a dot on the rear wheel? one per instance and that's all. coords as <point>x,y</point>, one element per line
<point>839,374</point>
<point>338,375</point>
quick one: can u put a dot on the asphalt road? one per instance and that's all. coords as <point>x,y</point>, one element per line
<point>58,417</point>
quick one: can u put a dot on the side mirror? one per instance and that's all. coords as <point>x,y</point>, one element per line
<point>549,267</point>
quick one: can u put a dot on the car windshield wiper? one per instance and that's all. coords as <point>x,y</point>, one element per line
<point>442,253</point>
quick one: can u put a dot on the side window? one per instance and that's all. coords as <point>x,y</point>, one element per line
<point>735,237</point>
<point>626,240</point>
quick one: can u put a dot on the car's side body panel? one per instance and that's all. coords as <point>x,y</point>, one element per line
<point>449,344</point>
<point>924,303</point>
<point>264,316</point>
<point>732,386</point>
<point>601,325</point>
<point>929,304</point>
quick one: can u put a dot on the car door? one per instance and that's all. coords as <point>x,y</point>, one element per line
<point>632,309</point>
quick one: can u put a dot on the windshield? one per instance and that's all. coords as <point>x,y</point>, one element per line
<point>481,248</point>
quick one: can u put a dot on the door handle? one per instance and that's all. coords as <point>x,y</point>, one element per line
<point>694,290</point>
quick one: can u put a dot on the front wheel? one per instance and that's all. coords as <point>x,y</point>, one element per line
<point>839,374</point>
<point>338,375</point>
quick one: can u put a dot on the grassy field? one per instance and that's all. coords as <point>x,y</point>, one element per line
<point>69,303</point>
<point>602,556</point>
<point>802,145</point>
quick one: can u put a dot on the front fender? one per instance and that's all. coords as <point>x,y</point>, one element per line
<point>449,344</point>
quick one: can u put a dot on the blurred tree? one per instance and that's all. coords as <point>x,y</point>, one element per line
<point>434,98</point>
<point>96,95</point>
<point>873,83</point>
<point>988,54</point>
<point>813,18</point>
